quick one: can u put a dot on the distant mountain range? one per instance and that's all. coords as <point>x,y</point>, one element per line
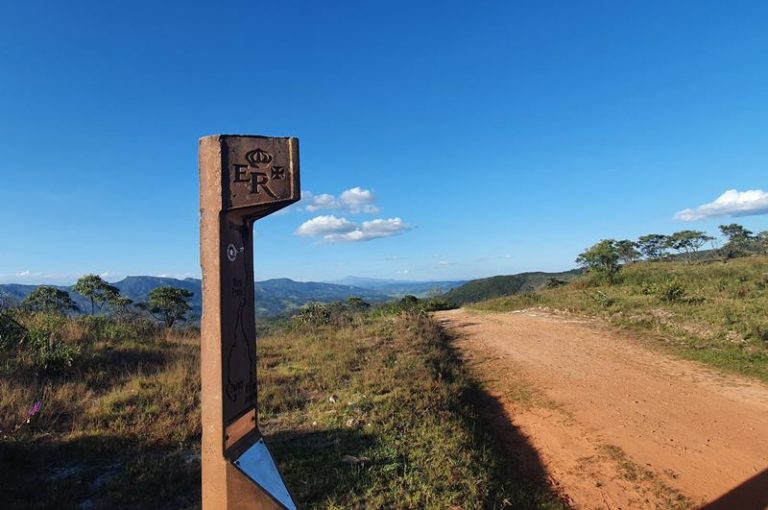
<point>400,288</point>
<point>497,286</point>
<point>273,297</point>
<point>282,295</point>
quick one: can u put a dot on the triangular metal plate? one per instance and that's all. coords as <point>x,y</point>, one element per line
<point>258,465</point>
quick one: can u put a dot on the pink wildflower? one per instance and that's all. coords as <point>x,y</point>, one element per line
<point>34,409</point>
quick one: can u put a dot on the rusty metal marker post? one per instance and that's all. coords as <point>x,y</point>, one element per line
<point>242,179</point>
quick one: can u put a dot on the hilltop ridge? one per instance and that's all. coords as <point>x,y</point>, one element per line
<point>505,285</point>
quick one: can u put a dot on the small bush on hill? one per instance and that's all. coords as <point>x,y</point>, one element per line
<point>672,291</point>
<point>11,332</point>
<point>321,314</point>
<point>759,332</point>
<point>46,352</point>
<point>553,283</point>
<point>413,304</point>
<point>601,299</point>
<point>436,305</point>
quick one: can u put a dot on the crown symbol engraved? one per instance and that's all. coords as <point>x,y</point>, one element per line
<point>258,157</point>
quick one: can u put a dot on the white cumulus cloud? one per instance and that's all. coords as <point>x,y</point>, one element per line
<point>27,276</point>
<point>359,200</point>
<point>730,203</point>
<point>325,226</point>
<point>340,230</point>
<point>354,200</point>
<point>318,202</point>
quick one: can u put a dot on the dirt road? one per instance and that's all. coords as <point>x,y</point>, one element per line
<point>616,424</point>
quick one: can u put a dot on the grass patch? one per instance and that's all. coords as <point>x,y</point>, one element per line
<point>711,312</point>
<point>118,429</point>
<point>374,411</point>
<point>385,420</point>
<point>668,497</point>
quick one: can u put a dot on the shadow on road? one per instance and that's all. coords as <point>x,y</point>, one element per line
<point>521,459</point>
<point>513,442</point>
<point>750,495</point>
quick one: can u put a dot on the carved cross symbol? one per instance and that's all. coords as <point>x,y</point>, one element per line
<point>278,172</point>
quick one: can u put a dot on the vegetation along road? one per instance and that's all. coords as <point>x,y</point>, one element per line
<point>612,422</point>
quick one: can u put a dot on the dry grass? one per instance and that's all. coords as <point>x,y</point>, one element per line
<point>380,415</point>
<point>119,409</point>
<point>370,412</point>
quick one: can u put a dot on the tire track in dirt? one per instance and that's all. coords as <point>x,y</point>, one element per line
<point>615,423</point>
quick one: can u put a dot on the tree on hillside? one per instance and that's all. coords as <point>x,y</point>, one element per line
<point>627,251</point>
<point>602,257</point>
<point>49,299</point>
<point>735,232</point>
<point>652,246</point>
<point>738,243</point>
<point>761,242</point>
<point>553,283</point>
<point>93,287</point>
<point>688,242</point>
<point>169,304</point>
<point>356,303</point>
<point>408,302</point>
<point>122,308</point>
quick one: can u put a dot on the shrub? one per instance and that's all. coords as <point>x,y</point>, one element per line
<point>598,279</point>
<point>95,328</point>
<point>722,285</point>
<point>672,291</point>
<point>601,299</point>
<point>44,351</point>
<point>11,332</point>
<point>91,327</point>
<point>435,305</point>
<point>314,313</point>
<point>356,303</point>
<point>317,314</point>
<point>404,304</point>
<point>553,283</point>
<point>758,332</point>
<point>602,257</point>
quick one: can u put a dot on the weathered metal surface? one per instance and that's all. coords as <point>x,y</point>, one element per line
<point>261,172</point>
<point>242,179</point>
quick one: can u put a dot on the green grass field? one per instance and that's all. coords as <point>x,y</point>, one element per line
<point>371,412</point>
<point>712,312</point>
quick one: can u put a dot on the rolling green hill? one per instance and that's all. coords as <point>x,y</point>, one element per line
<point>498,286</point>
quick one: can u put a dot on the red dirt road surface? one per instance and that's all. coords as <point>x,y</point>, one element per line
<point>615,424</point>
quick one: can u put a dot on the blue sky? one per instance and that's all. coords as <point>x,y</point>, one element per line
<point>487,137</point>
